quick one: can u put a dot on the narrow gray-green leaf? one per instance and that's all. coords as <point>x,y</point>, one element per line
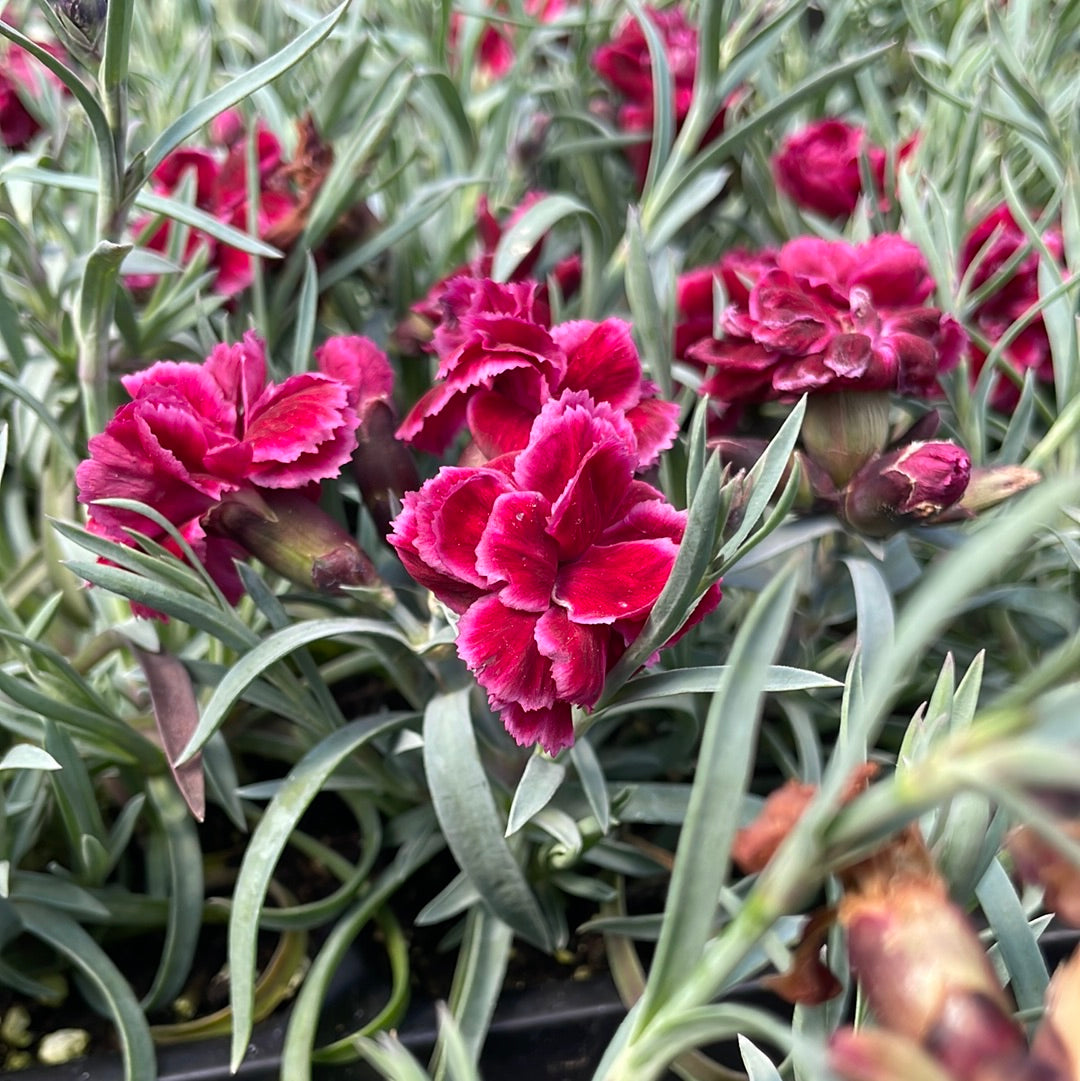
<point>706,678</point>
<point>531,228</point>
<point>65,936</point>
<point>470,819</point>
<point>873,608</point>
<point>252,665</point>
<point>722,772</point>
<point>478,980</point>
<point>1016,941</point>
<point>185,869</point>
<point>765,477</point>
<point>591,775</point>
<point>264,849</point>
<point>539,783</point>
<point>27,756</point>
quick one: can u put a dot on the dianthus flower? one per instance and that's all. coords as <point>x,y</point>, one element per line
<point>625,64</point>
<point>820,315</point>
<point>818,166</point>
<point>995,241</point>
<point>501,361</point>
<point>211,445</point>
<point>428,312</point>
<point>495,49</point>
<point>553,557</point>
<point>286,192</point>
<point>20,76</point>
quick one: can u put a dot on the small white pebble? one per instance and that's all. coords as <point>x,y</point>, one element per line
<point>62,1046</point>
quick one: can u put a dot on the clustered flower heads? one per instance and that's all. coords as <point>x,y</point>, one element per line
<point>820,315</point>
<point>995,244</point>
<point>552,556</point>
<point>287,190</point>
<point>234,461</point>
<point>847,325</point>
<point>501,361</point>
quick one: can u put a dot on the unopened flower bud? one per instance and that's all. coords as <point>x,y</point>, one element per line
<point>909,486</point>
<point>920,963</point>
<point>1057,1040</point>
<point>843,431</point>
<point>879,1055</point>
<point>87,15</point>
<point>384,466</point>
<point>293,536</point>
<point>993,484</point>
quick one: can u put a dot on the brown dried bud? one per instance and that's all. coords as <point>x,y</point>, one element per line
<point>919,961</point>
<point>1039,862</point>
<point>993,484</point>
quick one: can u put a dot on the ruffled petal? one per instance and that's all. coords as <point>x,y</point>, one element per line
<point>656,424</point>
<point>515,549</point>
<point>578,655</point>
<point>615,581</point>
<point>591,498</point>
<point>407,527</point>
<point>300,431</point>
<point>552,728</point>
<point>498,645</point>
<point>498,425</point>
<point>360,365</point>
<point>567,429</point>
<point>240,370</point>
<point>452,513</point>
<point>170,380</point>
<point>602,359</point>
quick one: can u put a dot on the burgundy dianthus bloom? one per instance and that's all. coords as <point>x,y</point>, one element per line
<point>196,435</point>
<point>553,557</point>
<point>489,231</point>
<point>821,315</point>
<point>993,242</point>
<point>625,64</point>
<point>495,50</point>
<point>220,177</point>
<point>501,361</point>
<point>20,76</point>
<point>818,167</point>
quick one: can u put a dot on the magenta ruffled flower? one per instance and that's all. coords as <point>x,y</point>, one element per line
<point>220,179</point>
<point>553,557</point>
<point>626,65</point>
<point>995,241</point>
<point>822,315</point>
<point>818,167</point>
<point>501,361</point>
<point>495,51</point>
<point>20,77</point>
<point>414,333</point>
<point>195,436</point>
